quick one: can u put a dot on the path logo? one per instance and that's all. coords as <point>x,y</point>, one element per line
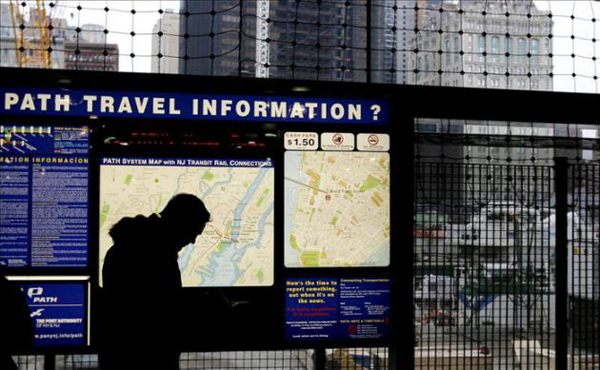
<point>31,292</point>
<point>35,294</point>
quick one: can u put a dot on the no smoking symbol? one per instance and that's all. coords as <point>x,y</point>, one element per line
<point>373,140</point>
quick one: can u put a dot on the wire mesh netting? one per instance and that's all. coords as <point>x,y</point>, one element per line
<point>507,44</point>
<point>584,265</point>
<point>29,362</point>
<point>483,267</point>
<point>485,244</point>
<point>357,358</point>
<point>296,359</point>
<point>338,359</point>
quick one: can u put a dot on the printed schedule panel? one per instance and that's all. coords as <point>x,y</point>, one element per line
<point>337,208</point>
<point>58,311</point>
<point>236,248</point>
<point>337,308</point>
<point>44,180</point>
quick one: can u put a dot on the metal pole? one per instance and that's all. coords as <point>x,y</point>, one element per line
<point>320,359</point>
<point>369,51</point>
<point>240,33</point>
<point>50,362</point>
<point>562,297</point>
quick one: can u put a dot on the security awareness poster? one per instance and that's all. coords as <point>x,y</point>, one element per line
<point>58,313</point>
<point>44,180</point>
<point>332,308</point>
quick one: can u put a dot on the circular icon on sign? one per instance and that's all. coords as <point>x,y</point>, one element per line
<point>373,139</point>
<point>352,329</point>
<point>338,139</point>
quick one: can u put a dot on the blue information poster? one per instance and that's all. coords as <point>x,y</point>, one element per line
<point>58,313</point>
<point>364,308</point>
<point>44,178</point>
<point>332,308</point>
<point>311,308</point>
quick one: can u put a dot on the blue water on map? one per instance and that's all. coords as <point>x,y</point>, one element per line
<point>225,261</point>
<point>293,169</point>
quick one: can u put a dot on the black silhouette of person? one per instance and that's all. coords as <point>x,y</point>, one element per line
<point>142,312</point>
<point>16,325</point>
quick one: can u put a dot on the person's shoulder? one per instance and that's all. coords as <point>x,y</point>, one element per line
<point>132,228</point>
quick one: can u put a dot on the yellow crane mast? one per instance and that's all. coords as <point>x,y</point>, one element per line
<point>32,48</point>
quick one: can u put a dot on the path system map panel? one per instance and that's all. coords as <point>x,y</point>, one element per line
<point>337,209</point>
<point>236,248</point>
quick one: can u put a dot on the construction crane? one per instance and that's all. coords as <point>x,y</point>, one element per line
<point>32,49</point>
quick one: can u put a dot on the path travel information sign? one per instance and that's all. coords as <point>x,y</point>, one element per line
<point>296,185</point>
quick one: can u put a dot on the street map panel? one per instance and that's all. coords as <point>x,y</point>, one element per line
<point>337,209</point>
<point>236,248</point>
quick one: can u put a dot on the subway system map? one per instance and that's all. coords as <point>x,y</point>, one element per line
<point>337,209</point>
<point>236,248</point>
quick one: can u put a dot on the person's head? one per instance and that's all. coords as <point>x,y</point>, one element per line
<point>186,216</point>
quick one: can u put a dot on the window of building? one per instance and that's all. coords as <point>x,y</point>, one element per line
<point>427,127</point>
<point>456,49</point>
<point>481,47</point>
<point>455,128</point>
<point>535,51</point>
<point>447,51</point>
<point>522,50</point>
<point>495,49</point>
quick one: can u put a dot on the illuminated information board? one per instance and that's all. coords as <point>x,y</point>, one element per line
<point>337,308</point>
<point>44,179</point>
<point>236,248</point>
<point>58,313</point>
<point>337,209</point>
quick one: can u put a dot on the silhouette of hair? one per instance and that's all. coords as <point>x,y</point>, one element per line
<point>187,209</point>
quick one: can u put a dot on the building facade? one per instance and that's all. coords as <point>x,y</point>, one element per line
<point>87,49</point>
<point>306,40</point>
<point>86,56</point>
<point>165,43</point>
<point>474,44</point>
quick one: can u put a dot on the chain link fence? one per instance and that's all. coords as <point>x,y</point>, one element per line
<point>485,245</point>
